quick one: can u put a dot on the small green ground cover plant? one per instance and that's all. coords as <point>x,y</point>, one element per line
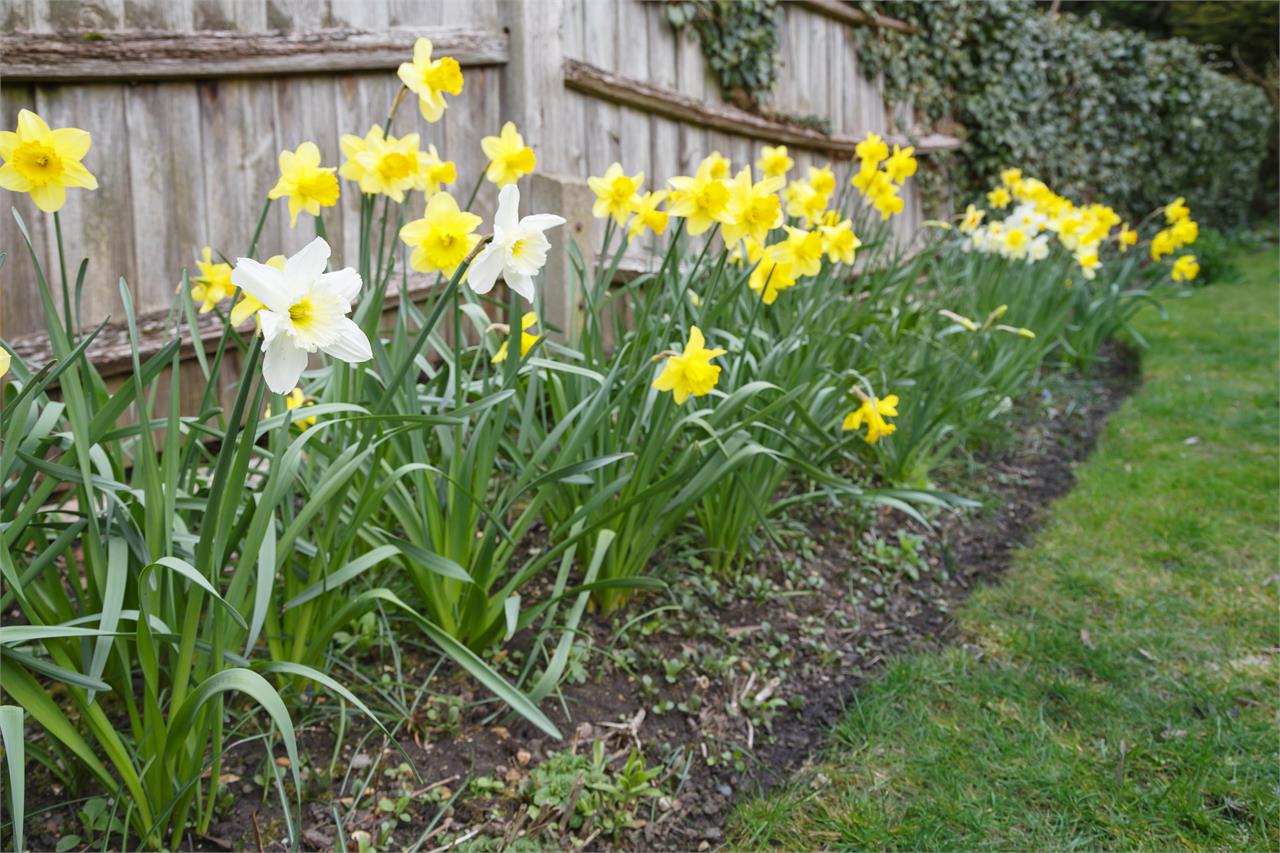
<point>1118,690</point>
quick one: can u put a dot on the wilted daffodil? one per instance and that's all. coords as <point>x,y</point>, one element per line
<point>774,162</point>
<point>527,322</point>
<point>443,237</point>
<point>306,310</point>
<point>308,185</point>
<point>901,164</point>
<point>382,164</point>
<point>43,162</point>
<point>616,193</point>
<point>691,372</point>
<point>518,249</point>
<point>753,209</point>
<point>700,199</point>
<point>1185,268</point>
<point>647,214</point>
<point>509,158</point>
<point>213,284</point>
<point>873,412</point>
<point>431,79</point>
<point>248,306</point>
<point>839,241</point>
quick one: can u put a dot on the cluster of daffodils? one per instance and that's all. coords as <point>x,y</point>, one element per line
<point>1036,215</point>
<point>880,185</point>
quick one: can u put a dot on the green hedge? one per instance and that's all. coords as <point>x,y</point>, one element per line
<point>1106,115</point>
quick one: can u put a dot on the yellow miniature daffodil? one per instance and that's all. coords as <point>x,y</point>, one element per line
<point>1163,244</point>
<point>443,237</point>
<point>381,164</point>
<point>1185,232</point>
<point>774,162</point>
<point>43,163</point>
<point>972,219</point>
<point>691,372</point>
<point>1087,258</point>
<point>718,165</point>
<point>873,412</point>
<point>802,250</point>
<point>433,172</point>
<point>754,209</point>
<point>308,185</point>
<point>1011,177</point>
<point>773,273</point>
<point>1176,210</point>
<point>998,198</point>
<point>1127,237</point>
<point>647,214</point>
<point>509,158</point>
<point>616,193</point>
<point>431,79</point>
<point>871,151</point>
<point>527,322</point>
<point>822,179</point>
<point>805,202</point>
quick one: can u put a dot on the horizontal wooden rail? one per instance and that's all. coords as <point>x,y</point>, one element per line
<point>171,55</point>
<point>590,80</point>
<point>837,10</point>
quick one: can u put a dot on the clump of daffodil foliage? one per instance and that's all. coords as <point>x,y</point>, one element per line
<point>399,468</point>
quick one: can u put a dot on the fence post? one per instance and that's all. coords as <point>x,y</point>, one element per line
<point>532,87</point>
<point>572,199</point>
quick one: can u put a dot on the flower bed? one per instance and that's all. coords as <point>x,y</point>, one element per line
<point>427,485</point>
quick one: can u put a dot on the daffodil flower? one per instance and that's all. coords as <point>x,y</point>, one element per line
<point>999,198</point>
<point>443,237</point>
<point>839,241</point>
<point>647,214</point>
<point>430,79</point>
<point>616,193</point>
<point>308,185</point>
<point>774,162</point>
<point>1185,268</point>
<point>213,284</point>
<point>901,164</point>
<point>509,157</point>
<point>871,151</point>
<point>754,209</point>
<point>248,306</point>
<point>872,412</point>
<point>822,179</point>
<point>527,322</point>
<point>690,373</point>
<point>43,162</point>
<point>518,250</point>
<point>306,311</point>
<point>701,199</point>
<point>1176,210</point>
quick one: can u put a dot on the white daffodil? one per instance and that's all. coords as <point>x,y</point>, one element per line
<point>518,249</point>
<point>306,310</point>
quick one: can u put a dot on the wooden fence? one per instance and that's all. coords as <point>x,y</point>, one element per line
<point>190,101</point>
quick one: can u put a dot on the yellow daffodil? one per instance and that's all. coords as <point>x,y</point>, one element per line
<point>972,219</point>
<point>1176,209</point>
<point>213,284</point>
<point>805,202</point>
<point>901,164</point>
<point>1087,258</point>
<point>381,164</point>
<point>822,179</point>
<point>1163,244</point>
<point>308,185</point>
<point>431,79</point>
<point>718,165</point>
<point>840,242</point>
<point>701,199</point>
<point>443,237</point>
<point>1185,232</point>
<point>1011,177</point>
<point>248,306</point>
<point>1185,268</point>
<point>43,162</point>
<point>774,162</point>
<point>616,193</point>
<point>647,214</point>
<point>873,412</point>
<point>802,250</point>
<point>509,158</point>
<point>433,172</point>
<point>998,198</point>
<point>527,322</point>
<point>295,399</point>
<point>883,194</point>
<point>1127,237</point>
<point>753,209</point>
<point>690,372</point>
<point>871,151</point>
<point>773,273</point>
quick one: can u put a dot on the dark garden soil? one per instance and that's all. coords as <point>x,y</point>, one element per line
<point>728,690</point>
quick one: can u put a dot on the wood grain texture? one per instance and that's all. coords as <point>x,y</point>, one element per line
<point>846,14</point>
<point>144,55</point>
<point>637,94</point>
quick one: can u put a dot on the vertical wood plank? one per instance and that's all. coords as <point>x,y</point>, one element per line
<point>20,310</point>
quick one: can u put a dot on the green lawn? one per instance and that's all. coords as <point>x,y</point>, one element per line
<point>1119,689</point>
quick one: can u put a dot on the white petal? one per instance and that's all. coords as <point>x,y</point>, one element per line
<point>345,283</point>
<point>283,364</point>
<point>308,265</point>
<point>520,283</point>
<point>484,270</point>
<point>541,221</point>
<point>265,284</point>
<point>352,345</point>
<point>508,215</point>
<point>270,324</point>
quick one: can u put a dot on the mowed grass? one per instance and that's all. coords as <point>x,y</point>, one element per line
<point>1119,689</point>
